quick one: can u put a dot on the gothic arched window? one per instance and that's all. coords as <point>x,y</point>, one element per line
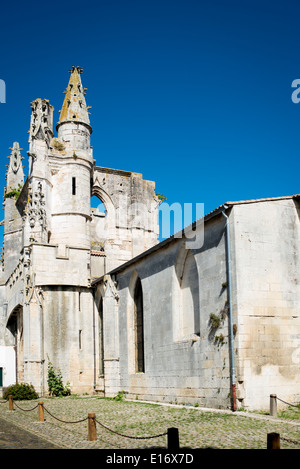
<point>98,205</point>
<point>190,296</point>
<point>186,296</point>
<point>100,337</point>
<point>139,327</point>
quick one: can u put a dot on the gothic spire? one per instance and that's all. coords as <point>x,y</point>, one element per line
<point>74,107</point>
<point>15,173</point>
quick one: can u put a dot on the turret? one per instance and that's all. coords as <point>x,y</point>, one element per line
<point>40,136</point>
<point>12,217</point>
<point>74,124</point>
<point>15,173</point>
<point>37,220</point>
<point>72,164</point>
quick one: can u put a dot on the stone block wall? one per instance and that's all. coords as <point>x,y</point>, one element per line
<point>267,267</point>
<point>130,226</point>
<point>68,335</point>
<point>60,265</point>
<point>191,369</point>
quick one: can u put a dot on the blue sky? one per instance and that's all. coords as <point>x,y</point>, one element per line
<point>195,95</point>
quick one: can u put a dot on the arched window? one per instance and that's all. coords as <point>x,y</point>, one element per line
<point>100,337</point>
<point>15,326</point>
<point>98,206</point>
<point>139,327</point>
<point>186,296</point>
<point>190,296</point>
<point>99,224</point>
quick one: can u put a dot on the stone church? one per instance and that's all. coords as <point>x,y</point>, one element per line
<point>209,316</point>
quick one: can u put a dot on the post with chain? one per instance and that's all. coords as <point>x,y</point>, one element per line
<point>273,441</point>
<point>173,439</point>
<point>92,434</point>
<point>41,412</point>
<point>273,405</point>
<point>10,402</point>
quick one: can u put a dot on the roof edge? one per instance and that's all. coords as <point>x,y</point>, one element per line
<point>217,211</point>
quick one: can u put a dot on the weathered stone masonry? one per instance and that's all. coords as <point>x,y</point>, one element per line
<point>55,243</point>
<point>94,292</point>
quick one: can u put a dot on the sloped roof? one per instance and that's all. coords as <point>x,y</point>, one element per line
<point>206,217</point>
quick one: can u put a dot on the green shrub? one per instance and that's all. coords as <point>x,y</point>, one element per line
<point>120,396</point>
<point>14,193</point>
<point>215,320</point>
<point>55,383</point>
<point>21,392</point>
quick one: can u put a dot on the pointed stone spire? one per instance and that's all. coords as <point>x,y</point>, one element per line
<point>41,122</point>
<point>74,108</point>
<point>15,173</point>
<point>12,217</point>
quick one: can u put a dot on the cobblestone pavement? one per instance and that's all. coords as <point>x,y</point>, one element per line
<point>13,437</point>
<point>137,425</point>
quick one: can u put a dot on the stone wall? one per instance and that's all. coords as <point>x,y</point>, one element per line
<point>187,368</point>
<point>185,365</point>
<point>267,267</point>
<point>68,335</point>
<point>130,226</point>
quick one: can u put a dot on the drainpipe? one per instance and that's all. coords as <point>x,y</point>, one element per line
<point>228,264</point>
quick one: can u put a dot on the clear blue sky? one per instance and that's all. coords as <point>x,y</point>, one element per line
<point>196,95</point>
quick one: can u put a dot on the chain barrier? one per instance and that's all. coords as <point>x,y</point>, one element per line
<point>292,405</point>
<point>290,441</point>
<point>101,424</point>
<point>64,421</point>
<point>130,436</point>
<point>25,410</point>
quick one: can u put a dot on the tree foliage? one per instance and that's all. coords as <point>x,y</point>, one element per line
<point>21,392</point>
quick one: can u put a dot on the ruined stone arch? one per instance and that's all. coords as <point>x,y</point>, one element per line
<point>105,198</point>
<point>106,227</point>
<point>15,327</point>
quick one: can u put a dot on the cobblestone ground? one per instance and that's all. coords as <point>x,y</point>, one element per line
<point>66,425</point>
<point>14,437</point>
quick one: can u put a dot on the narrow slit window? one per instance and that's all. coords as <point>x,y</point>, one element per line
<point>139,328</point>
<point>80,340</point>
<point>101,342</point>
<point>73,186</point>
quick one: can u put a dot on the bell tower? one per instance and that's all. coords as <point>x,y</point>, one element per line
<point>72,165</point>
<point>74,124</point>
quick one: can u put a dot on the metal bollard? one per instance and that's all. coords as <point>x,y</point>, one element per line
<point>273,441</point>
<point>10,403</point>
<point>173,439</point>
<point>92,434</point>
<point>273,405</point>
<point>41,412</point>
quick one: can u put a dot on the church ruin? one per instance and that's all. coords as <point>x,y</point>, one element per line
<point>91,290</point>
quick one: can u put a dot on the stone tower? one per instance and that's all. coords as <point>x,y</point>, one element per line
<point>72,182</point>
<point>55,244</point>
